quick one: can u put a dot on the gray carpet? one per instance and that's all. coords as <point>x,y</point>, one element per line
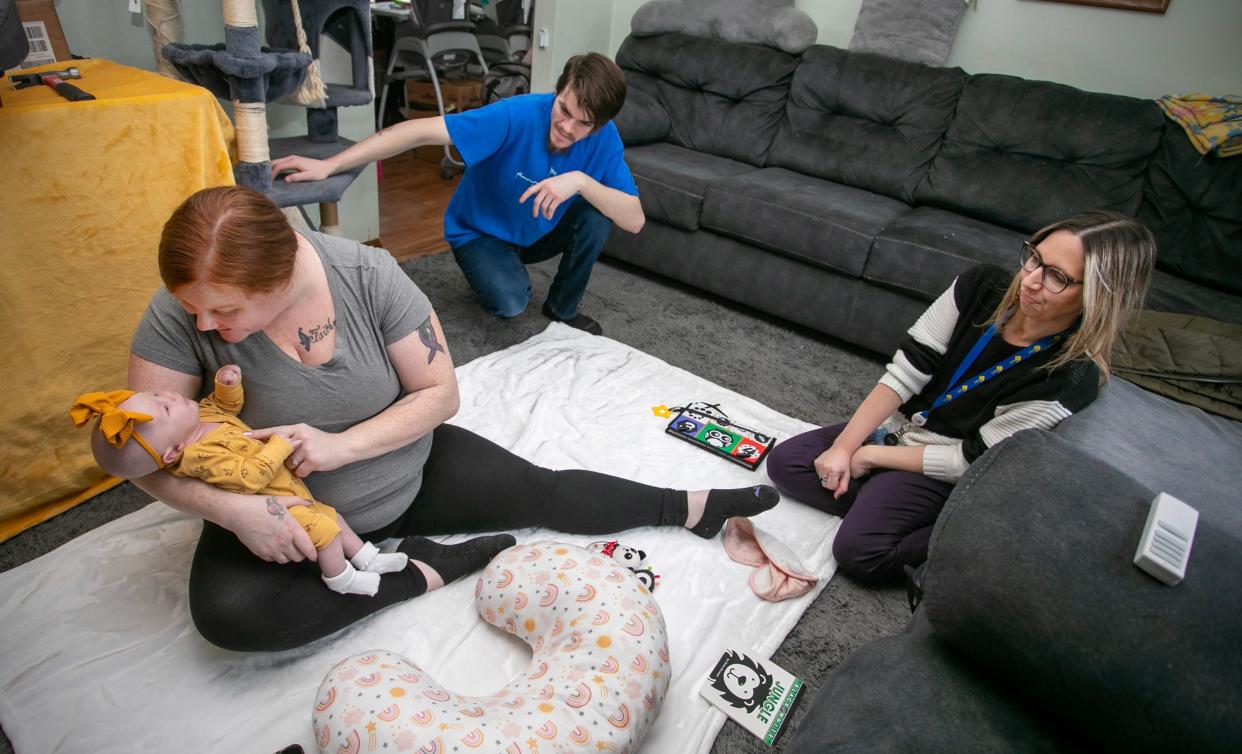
<point>796,372</point>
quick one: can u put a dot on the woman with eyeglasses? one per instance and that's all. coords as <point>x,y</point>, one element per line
<point>998,352</point>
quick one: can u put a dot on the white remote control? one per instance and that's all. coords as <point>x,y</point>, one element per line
<point>1164,548</point>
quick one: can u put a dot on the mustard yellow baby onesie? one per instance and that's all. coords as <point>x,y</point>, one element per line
<point>228,459</point>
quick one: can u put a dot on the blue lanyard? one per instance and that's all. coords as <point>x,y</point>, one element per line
<point>920,418</point>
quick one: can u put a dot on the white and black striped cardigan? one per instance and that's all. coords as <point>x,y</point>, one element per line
<point>1025,396</point>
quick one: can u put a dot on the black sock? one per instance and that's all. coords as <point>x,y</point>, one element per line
<point>725,504</point>
<point>452,562</point>
<point>579,321</point>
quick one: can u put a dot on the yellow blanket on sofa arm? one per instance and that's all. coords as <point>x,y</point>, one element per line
<point>1212,123</point>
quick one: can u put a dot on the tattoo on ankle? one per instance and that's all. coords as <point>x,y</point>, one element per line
<point>316,334</point>
<point>427,334</point>
<point>275,508</point>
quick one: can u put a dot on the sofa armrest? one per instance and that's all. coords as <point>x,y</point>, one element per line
<point>914,693</point>
<point>1031,574</point>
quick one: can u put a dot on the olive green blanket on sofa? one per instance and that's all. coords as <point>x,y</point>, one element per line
<point>1194,360</point>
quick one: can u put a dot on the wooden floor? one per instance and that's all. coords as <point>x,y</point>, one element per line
<point>412,200</point>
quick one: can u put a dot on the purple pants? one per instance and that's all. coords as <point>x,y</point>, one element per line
<point>888,514</point>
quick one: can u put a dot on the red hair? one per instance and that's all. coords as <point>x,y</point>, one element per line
<point>228,236</point>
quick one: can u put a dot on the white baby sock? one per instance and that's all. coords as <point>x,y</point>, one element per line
<point>353,581</point>
<point>369,558</point>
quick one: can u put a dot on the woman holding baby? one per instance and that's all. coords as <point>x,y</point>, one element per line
<point>345,357</point>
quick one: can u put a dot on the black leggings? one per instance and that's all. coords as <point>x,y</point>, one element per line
<point>470,484</point>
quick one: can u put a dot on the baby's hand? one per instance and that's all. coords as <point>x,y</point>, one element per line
<point>229,374</point>
<point>268,435</point>
<point>286,434</point>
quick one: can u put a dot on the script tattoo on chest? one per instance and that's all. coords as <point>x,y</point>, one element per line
<point>316,334</point>
<point>427,334</point>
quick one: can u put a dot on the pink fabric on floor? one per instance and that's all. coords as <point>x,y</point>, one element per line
<point>778,573</point>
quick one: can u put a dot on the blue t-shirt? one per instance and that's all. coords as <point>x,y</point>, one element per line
<point>505,148</point>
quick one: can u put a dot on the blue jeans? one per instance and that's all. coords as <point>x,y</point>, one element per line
<point>496,269</point>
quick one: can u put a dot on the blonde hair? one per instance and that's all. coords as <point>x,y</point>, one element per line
<point>1118,256</point>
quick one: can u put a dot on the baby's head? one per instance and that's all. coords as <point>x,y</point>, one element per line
<point>136,433</point>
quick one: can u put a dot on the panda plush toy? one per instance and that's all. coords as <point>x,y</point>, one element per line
<point>631,557</point>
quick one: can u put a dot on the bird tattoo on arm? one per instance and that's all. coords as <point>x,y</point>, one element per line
<point>427,334</point>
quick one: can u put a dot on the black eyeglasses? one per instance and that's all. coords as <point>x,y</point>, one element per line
<point>1053,279</point>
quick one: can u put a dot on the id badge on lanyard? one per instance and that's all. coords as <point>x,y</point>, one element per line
<point>920,418</point>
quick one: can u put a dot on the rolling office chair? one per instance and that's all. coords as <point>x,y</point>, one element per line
<point>491,40</point>
<point>514,18</point>
<point>504,47</point>
<point>506,38</point>
<point>432,45</point>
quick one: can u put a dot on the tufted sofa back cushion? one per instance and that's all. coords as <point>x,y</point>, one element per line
<point>721,98</point>
<point>865,120</point>
<point>1193,205</point>
<point>1025,154</point>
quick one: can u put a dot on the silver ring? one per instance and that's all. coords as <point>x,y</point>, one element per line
<point>298,462</point>
<point>823,479</point>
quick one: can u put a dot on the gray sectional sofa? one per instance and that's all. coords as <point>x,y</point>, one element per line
<point>844,191</point>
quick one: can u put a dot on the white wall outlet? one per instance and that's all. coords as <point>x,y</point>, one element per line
<point>543,38</point>
<point>135,6</point>
<point>1164,549</point>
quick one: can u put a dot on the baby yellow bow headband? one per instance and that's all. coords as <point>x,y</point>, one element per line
<point>116,424</point>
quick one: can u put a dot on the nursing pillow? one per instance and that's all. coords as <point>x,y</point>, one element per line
<point>598,672</point>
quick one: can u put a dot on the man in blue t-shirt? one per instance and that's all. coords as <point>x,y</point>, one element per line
<point>545,176</point>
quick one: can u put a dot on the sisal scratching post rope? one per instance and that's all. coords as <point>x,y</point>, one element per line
<point>313,92</point>
<point>164,25</point>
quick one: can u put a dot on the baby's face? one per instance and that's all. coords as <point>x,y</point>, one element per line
<point>173,418</point>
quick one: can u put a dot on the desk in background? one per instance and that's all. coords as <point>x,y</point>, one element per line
<point>87,189</point>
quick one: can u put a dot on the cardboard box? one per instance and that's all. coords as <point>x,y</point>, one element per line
<point>458,94</point>
<point>43,32</point>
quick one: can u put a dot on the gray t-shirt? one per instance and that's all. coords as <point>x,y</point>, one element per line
<point>376,305</point>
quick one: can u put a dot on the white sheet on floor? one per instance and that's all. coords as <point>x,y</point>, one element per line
<point>98,654</point>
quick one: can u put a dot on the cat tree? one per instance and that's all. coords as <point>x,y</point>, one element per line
<point>251,76</point>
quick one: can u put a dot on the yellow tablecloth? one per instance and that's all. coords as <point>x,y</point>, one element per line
<point>87,187</point>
